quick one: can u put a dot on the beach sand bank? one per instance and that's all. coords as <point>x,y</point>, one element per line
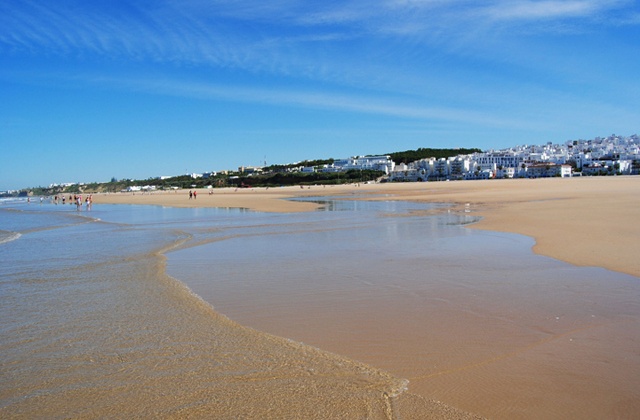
<point>590,221</point>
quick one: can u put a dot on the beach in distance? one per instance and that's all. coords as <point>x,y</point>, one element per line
<point>586,221</point>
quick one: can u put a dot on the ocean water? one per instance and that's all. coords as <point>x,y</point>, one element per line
<point>146,311</point>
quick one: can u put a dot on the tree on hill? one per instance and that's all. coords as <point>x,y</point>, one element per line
<point>305,163</point>
<point>299,178</point>
<point>409,156</point>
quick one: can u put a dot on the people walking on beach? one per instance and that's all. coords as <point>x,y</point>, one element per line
<point>190,195</point>
<point>195,194</point>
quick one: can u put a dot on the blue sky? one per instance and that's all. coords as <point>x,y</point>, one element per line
<point>92,90</point>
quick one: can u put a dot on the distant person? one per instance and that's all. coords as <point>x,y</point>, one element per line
<point>190,195</point>
<point>195,195</point>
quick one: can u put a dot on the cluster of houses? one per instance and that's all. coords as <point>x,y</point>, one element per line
<point>600,156</point>
<point>613,155</point>
<point>485,165</point>
<point>137,188</point>
<point>375,163</point>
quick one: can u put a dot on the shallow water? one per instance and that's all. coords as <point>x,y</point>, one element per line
<point>471,318</point>
<point>94,327</point>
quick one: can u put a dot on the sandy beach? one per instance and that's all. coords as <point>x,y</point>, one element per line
<point>526,341</point>
<point>583,221</point>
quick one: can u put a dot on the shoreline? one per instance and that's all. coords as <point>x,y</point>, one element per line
<point>586,221</point>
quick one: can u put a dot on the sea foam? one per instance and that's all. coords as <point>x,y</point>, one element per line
<point>7,236</point>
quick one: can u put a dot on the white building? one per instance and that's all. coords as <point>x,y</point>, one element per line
<point>376,163</point>
<point>545,170</point>
<point>502,159</point>
<point>459,166</point>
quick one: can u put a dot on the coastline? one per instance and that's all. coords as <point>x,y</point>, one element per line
<point>590,221</point>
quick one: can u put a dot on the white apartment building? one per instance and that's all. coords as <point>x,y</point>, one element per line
<point>376,163</point>
<point>498,160</point>
<point>459,166</point>
<point>441,168</point>
<point>544,170</point>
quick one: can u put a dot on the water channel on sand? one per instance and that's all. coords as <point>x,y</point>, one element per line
<point>470,318</point>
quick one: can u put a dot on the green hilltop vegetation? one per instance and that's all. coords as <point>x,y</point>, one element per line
<point>413,155</point>
<point>270,176</point>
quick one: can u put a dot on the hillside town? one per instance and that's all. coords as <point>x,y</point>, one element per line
<point>612,155</point>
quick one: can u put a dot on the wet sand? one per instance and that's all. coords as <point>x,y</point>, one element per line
<point>520,338</point>
<point>586,221</point>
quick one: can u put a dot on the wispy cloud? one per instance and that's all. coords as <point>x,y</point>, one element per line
<point>350,43</point>
<point>205,30</point>
<point>402,107</point>
<point>548,9</point>
<point>265,36</point>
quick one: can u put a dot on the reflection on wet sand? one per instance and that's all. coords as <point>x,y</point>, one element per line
<point>470,318</point>
<point>95,328</point>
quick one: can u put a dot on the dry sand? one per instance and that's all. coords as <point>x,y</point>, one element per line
<point>590,221</point>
